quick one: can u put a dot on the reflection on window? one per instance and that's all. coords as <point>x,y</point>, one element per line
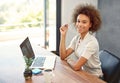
<point>21,18</point>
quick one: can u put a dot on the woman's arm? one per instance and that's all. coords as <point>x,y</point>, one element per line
<point>62,49</point>
<point>78,64</point>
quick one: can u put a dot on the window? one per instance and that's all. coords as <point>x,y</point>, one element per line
<point>33,18</point>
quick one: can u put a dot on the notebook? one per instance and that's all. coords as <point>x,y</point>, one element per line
<point>41,61</point>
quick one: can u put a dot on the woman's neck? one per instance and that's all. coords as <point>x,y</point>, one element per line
<point>83,35</point>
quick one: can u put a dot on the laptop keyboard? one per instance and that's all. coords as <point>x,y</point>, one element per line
<point>39,62</point>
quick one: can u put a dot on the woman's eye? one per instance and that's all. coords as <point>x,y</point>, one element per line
<point>84,22</point>
<point>78,21</point>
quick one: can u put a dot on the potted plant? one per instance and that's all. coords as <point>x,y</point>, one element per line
<point>28,70</point>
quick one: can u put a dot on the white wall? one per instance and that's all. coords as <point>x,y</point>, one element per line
<point>67,10</point>
<point>69,5</point>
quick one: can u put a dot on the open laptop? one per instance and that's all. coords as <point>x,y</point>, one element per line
<point>42,62</point>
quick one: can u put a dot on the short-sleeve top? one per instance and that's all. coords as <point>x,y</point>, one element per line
<point>89,49</point>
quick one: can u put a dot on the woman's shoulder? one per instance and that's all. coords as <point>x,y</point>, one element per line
<point>92,38</point>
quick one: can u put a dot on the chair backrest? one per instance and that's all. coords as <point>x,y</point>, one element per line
<point>110,66</point>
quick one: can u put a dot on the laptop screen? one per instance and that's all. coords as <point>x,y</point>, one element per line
<point>27,49</point>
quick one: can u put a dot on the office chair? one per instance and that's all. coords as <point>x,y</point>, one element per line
<point>110,66</point>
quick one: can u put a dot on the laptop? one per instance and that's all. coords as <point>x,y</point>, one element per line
<point>41,61</point>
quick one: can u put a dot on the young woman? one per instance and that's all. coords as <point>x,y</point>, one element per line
<point>84,46</point>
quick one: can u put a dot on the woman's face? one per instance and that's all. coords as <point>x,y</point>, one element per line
<point>83,24</point>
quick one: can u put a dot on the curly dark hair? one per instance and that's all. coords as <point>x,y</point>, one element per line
<point>89,11</point>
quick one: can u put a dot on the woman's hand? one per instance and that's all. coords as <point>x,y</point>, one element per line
<point>64,29</point>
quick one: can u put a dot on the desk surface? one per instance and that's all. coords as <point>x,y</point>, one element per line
<point>12,66</point>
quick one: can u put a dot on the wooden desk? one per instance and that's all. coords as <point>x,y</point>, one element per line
<point>12,66</point>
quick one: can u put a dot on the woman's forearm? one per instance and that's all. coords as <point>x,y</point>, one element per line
<point>62,48</point>
<point>73,65</point>
<point>77,65</point>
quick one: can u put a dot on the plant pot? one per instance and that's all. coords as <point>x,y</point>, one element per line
<point>28,74</point>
